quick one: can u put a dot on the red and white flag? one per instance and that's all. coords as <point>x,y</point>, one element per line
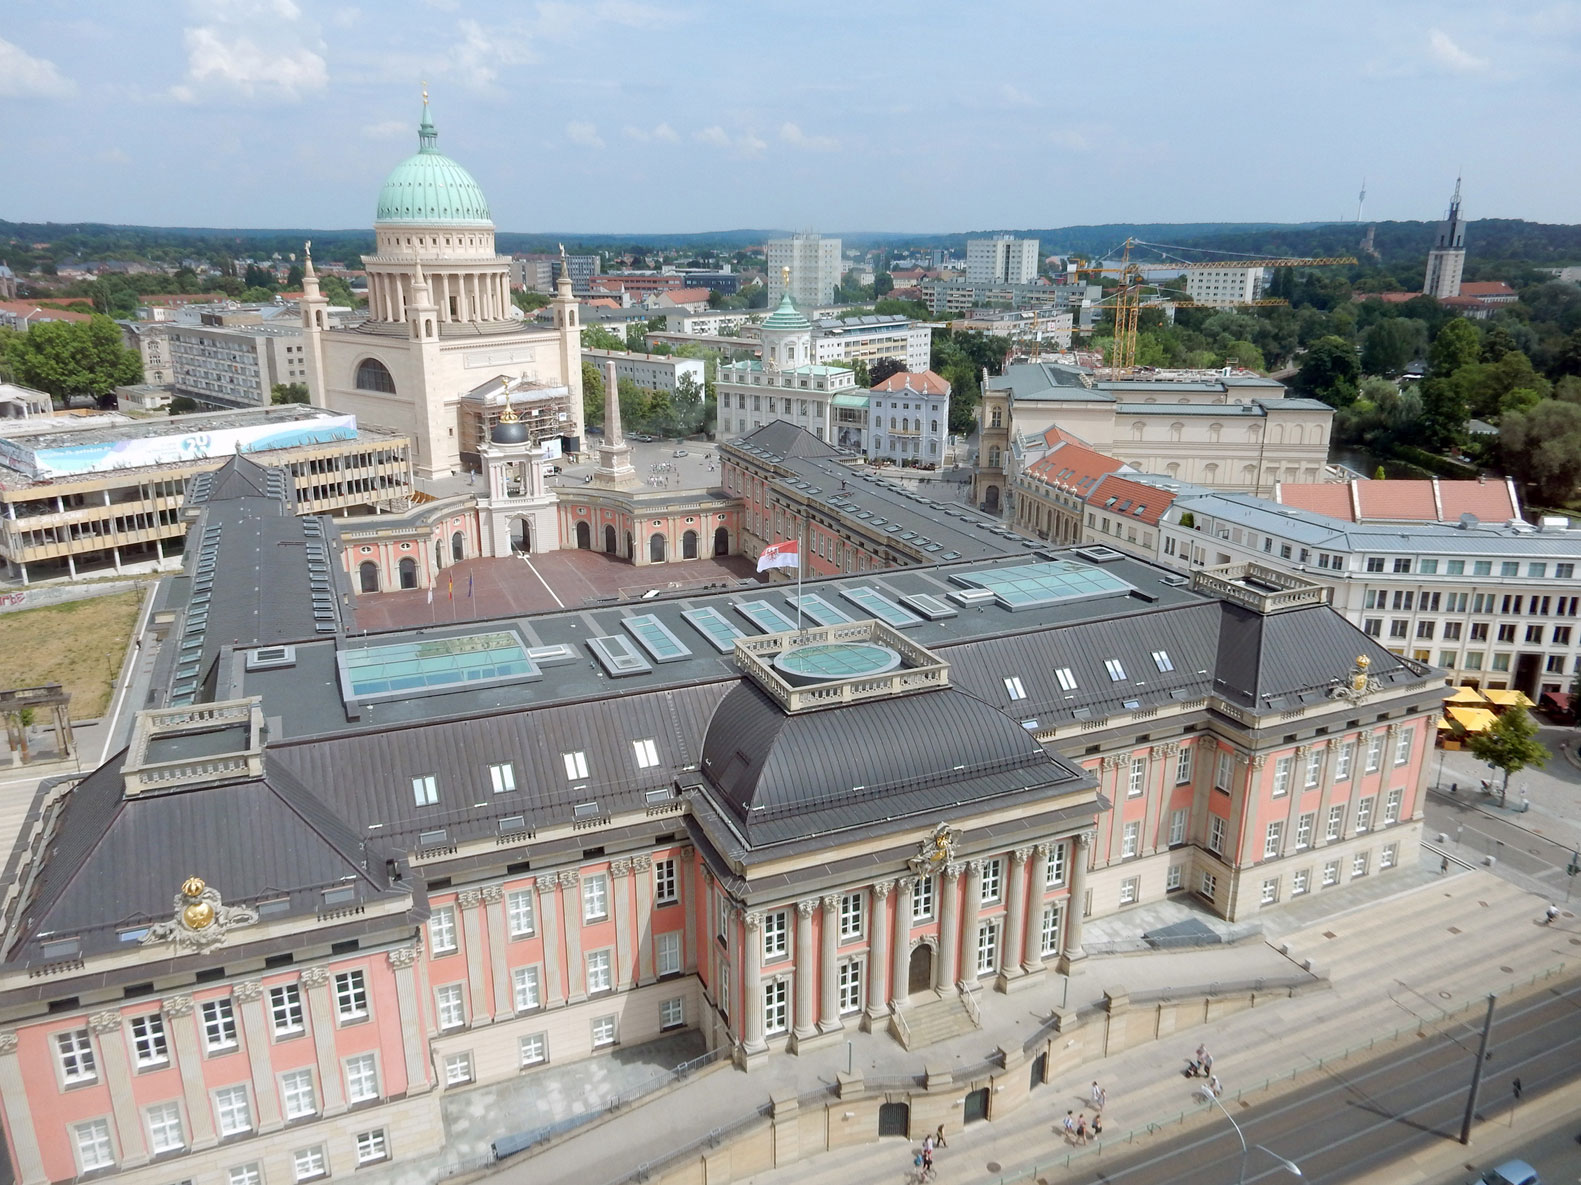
<point>780,555</point>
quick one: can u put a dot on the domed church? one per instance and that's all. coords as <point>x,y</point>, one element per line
<point>443,351</point>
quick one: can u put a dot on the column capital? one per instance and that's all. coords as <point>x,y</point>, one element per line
<point>492,894</point>
<point>1042,849</point>
<point>641,863</point>
<point>1115,760</point>
<point>1257,760</point>
<point>805,908</point>
<point>7,1042</point>
<point>621,867</point>
<point>831,903</point>
<point>1082,839</point>
<point>568,878</point>
<point>1168,749</point>
<point>104,1022</point>
<point>313,977</point>
<point>881,889</point>
<point>1303,750</point>
<point>1393,730</point>
<point>975,867</point>
<point>246,991</point>
<point>754,920</point>
<point>469,898</point>
<point>906,883</point>
<point>952,872</point>
<point>1020,855</point>
<point>402,957</point>
<point>177,1006</point>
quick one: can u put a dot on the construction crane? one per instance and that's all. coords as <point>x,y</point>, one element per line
<point>1127,303</point>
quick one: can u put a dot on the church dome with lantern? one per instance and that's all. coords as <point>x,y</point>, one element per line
<point>430,189</point>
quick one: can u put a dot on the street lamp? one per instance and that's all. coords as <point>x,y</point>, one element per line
<point>1289,1166</point>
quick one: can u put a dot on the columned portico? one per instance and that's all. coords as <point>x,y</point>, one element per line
<point>878,956</point>
<point>806,1020</point>
<point>1032,944</point>
<point>752,958</point>
<point>949,928</point>
<point>1078,902</point>
<point>829,996</point>
<point>1011,942</point>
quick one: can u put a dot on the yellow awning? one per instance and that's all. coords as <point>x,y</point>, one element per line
<point>1465,695</point>
<point>1443,724</point>
<point>1473,719</point>
<point>1507,698</point>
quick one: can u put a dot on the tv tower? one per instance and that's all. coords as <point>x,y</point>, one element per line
<point>1361,199</point>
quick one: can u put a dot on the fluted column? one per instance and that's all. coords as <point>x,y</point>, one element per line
<point>321,1011</point>
<point>949,928</point>
<point>499,966</point>
<point>117,1075</point>
<point>19,1118</point>
<point>878,955</point>
<point>182,1028</point>
<point>571,912</point>
<point>1078,899</point>
<point>1011,941</point>
<point>468,903</point>
<point>806,1022</point>
<point>970,913</point>
<point>403,961</point>
<point>642,870</point>
<point>624,973</point>
<point>1032,945</point>
<point>900,968</point>
<point>829,995</point>
<point>248,997</point>
<point>752,958</point>
<point>547,913</point>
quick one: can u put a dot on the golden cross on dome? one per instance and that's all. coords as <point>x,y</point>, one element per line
<point>425,93</point>
<point>785,275</point>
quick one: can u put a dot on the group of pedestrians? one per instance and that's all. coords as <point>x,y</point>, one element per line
<point>1201,1066</point>
<point>1078,1130</point>
<point>922,1162</point>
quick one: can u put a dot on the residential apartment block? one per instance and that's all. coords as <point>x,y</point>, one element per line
<point>658,372</point>
<point>227,360</point>
<point>869,338</point>
<point>1002,259</point>
<point>1224,285</point>
<point>814,264</point>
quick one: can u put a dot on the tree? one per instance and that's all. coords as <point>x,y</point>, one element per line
<point>293,278</point>
<point>882,369</point>
<point>1388,347</point>
<point>181,405</point>
<point>337,291</point>
<point>596,337</point>
<point>1511,744</point>
<point>592,395</point>
<point>1457,344</point>
<point>258,277</point>
<point>67,358</point>
<point>883,284</point>
<point>1444,413</point>
<point>288,393</point>
<point>529,302</point>
<point>1329,372</point>
<point>1543,447</point>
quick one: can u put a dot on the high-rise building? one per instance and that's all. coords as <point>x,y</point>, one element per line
<point>1224,285</point>
<point>1447,259</point>
<point>814,263</point>
<point>1001,260</point>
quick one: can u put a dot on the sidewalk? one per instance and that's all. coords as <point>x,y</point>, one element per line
<point>1451,940</point>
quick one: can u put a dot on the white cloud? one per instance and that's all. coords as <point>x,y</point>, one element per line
<point>792,134</point>
<point>716,137</point>
<point>562,20</point>
<point>22,76</point>
<point>580,132</point>
<point>1446,53</point>
<point>663,133</point>
<point>240,63</point>
<point>389,129</point>
<point>476,59</point>
<point>1015,97</point>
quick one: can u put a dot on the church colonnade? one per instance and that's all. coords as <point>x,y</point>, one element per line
<point>459,296</point>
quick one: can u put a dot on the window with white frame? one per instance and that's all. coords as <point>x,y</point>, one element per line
<point>1304,830</point>
<point>1402,745</point>
<point>922,898</point>
<point>1374,751</point>
<point>595,897</point>
<point>1115,669</point>
<point>1270,892</point>
<point>1130,888</point>
<point>1342,761</point>
<point>646,752</point>
<point>1299,881</point>
<point>519,914</point>
<point>1056,872</point>
<point>442,931</point>
<point>1314,768</point>
<point>285,1009</point>
<point>372,1147</point>
<point>149,1046</point>
<point>75,1051</point>
<point>362,1078</point>
<point>992,881</point>
<point>1331,873</point>
<point>1162,661</point>
<point>1336,821</point>
<point>1049,934</point>
<point>1130,836</point>
<point>309,1164</point>
<point>665,887</point>
<point>1391,806</point>
<point>1273,839</point>
<point>93,1145</point>
<point>534,1049</point>
<point>603,1031</point>
<point>776,1010</point>
<point>987,946</point>
<point>1014,688</point>
<point>1358,865</point>
<point>245,1174</point>
<point>425,790</point>
<point>219,1024</point>
<point>525,989</point>
<point>164,1128</point>
<point>851,915</point>
<point>458,1069</point>
<point>1281,776</point>
<point>1216,832</point>
<point>452,1011</point>
<point>1138,779</point>
<point>598,977</point>
<point>776,934</point>
<point>667,948</point>
<point>672,1013</point>
<point>575,765</point>
<point>1066,678</point>
<point>296,1090</point>
<point>502,776</point>
<point>232,1110</point>
<point>1174,876</point>
<point>1177,826</point>
<point>849,985</point>
<point>1208,886</point>
<point>351,995</point>
<point>1183,763</point>
<point>1363,815</point>
<point>1389,854</point>
<point>1224,770</point>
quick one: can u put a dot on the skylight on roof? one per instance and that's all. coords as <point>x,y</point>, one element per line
<point>1029,586</point>
<point>433,664</point>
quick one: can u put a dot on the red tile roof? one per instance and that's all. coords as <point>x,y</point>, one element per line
<point>924,382</point>
<point>1396,500</point>
<point>685,295</point>
<point>1072,466</point>
<point>1482,289</point>
<point>1330,498</point>
<point>1131,500</point>
<point>1491,501</point>
<point>28,311</point>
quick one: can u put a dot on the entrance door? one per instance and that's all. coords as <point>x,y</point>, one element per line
<point>609,540</point>
<point>976,1106</point>
<point>894,1119</point>
<point>991,500</point>
<point>584,536</point>
<point>689,545</point>
<point>721,541</point>
<point>1527,669</point>
<point>656,548</point>
<point>408,572</point>
<point>458,546</point>
<point>521,536</point>
<point>369,571</point>
<point>1039,1070</point>
<point>919,976</point>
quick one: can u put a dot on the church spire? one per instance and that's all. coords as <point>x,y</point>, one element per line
<point>427,137</point>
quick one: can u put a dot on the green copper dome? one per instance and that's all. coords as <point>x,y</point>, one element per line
<point>431,189</point>
<point>786,316</point>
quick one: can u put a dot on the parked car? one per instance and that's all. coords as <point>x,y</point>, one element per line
<point>642,436</point>
<point>680,452</point>
<point>1511,1172</point>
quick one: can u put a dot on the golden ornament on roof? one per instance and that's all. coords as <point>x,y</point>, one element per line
<point>509,416</point>
<point>198,915</point>
<point>193,887</point>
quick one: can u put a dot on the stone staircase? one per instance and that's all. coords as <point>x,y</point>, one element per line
<point>932,1017</point>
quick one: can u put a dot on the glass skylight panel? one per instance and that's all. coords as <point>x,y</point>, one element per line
<point>927,604</point>
<point>876,604</point>
<point>433,664</point>
<point>1162,661</point>
<point>655,637</point>
<point>617,656</point>
<point>767,618</point>
<point>1116,671</point>
<point>720,631</point>
<point>819,610</point>
<point>1027,586</point>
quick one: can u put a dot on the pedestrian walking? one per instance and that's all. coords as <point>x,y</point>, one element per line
<point>1550,914</point>
<point>1070,1127</point>
<point>1081,1128</point>
<point>927,1142</point>
<point>1097,1126</point>
<point>1443,866</point>
<point>927,1162</point>
<point>1099,1097</point>
<point>1207,1065</point>
<point>1213,1085</point>
<point>938,1138</point>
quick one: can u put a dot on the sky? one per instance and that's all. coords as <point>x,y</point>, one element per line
<point>623,116</point>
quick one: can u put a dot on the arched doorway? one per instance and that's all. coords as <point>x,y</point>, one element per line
<point>369,573</point>
<point>689,545</point>
<point>521,536</point>
<point>609,539</point>
<point>991,499</point>
<point>976,1106</point>
<point>656,548</point>
<point>721,541</point>
<point>919,974</point>
<point>408,569</point>
<point>458,547</point>
<point>894,1119</point>
<point>584,536</point>
<point>439,554</point>
<point>631,548</point>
